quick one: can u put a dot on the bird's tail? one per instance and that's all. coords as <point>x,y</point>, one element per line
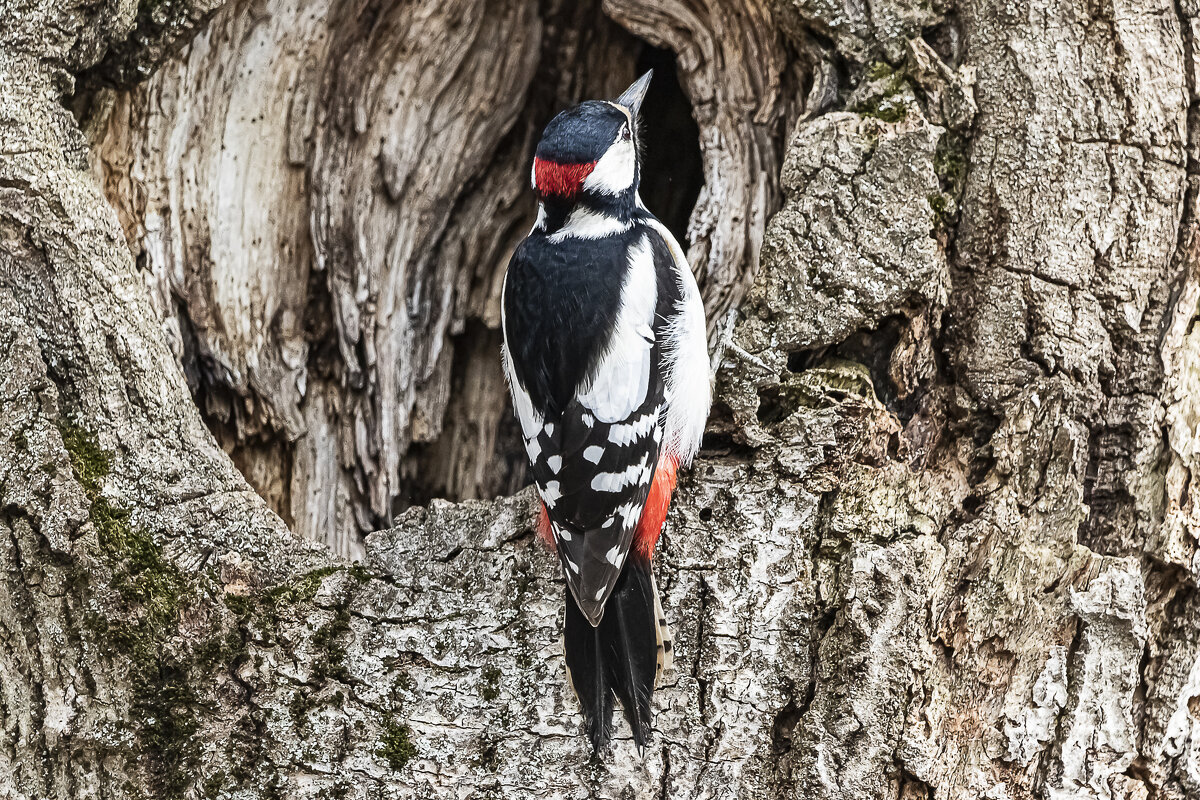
<point>621,657</point>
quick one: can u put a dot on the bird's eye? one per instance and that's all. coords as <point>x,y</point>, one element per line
<point>625,134</point>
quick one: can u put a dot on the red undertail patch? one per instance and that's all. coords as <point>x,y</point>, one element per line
<point>544,531</point>
<point>561,180</point>
<point>654,513</point>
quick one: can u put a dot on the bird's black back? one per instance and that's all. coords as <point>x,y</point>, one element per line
<point>560,302</point>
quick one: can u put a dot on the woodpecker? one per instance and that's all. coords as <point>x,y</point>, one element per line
<point>606,356</point>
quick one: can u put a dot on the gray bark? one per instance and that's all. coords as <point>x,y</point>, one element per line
<point>940,540</point>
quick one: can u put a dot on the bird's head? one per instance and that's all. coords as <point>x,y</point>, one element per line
<point>591,149</point>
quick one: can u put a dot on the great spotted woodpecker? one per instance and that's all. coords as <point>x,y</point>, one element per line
<point>606,355</point>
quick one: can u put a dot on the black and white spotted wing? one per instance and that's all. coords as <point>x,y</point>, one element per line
<point>584,324</point>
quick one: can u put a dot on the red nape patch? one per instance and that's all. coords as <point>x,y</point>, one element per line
<point>654,513</point>
<point>544,532</point>
<point>561,180</point>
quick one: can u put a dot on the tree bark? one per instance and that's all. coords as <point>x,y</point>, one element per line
<point>939,542</point>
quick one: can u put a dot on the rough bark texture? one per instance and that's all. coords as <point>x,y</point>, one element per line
<point>940,541</point>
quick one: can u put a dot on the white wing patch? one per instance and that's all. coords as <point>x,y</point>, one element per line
<point>624,433</point>
<point>617,481</point>
<point>687,384</point>
<point>622,378</point>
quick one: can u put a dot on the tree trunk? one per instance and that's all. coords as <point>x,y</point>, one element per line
<point>940,540</point>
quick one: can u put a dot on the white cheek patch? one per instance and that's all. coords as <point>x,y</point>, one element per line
<point>613,173</point>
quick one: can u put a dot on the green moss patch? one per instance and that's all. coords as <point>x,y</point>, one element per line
<point>395,744</point>
<point>329,642</point>
<point>89,462</point>
<point>943,207</point>
<point>168,676</point>
<point>329,639</point>
<point>163,699</point>
<point>303,589</point>
<point>886,101</point>
<point>141,574</point>
<point>879,70</point>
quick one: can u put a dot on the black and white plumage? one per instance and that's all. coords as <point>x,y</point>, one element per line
<point>606,356</point>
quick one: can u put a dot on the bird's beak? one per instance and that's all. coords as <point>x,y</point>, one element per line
<point>632,97</point>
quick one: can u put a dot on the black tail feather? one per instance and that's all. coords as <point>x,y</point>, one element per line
<point>619,656</point>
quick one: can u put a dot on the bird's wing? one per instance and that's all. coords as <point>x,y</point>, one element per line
<point>594,460</point>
